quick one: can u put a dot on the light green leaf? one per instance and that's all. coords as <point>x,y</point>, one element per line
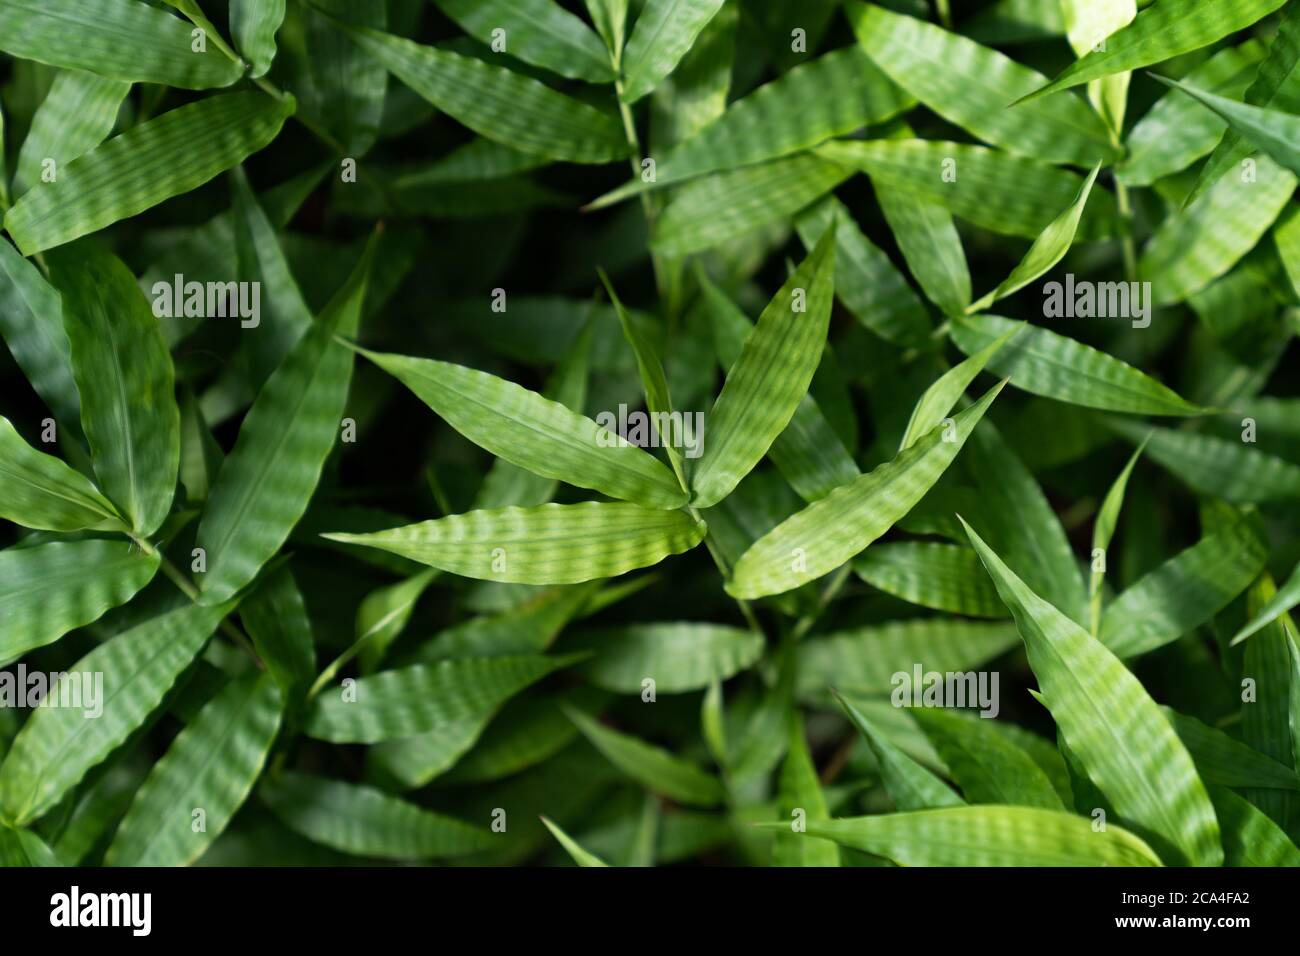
<point>121,39</point>
<point>126,381</point>
<point>253,25</point>
<point>800,798</point>
<point>987,836</point>
<point>25,849</point>
<point>1287,597</point>
<point>1088,23</point>
<point>832,530</point>
<point>212,765</point>
<point>652,767</point>
<point>941,397</point>
<point>58,746</point>
<point>678,656</point>
<point>49,589</point>
<point>928,239</point>
<point>39,491</point>
<point>1161,32</point>
<point>572,847</point>
<point>663,34</point>
<point>1103,529</point>
<point>268,479</point>
<point>363,821</point>
<point>384,613</point>
<point>549,544</point>
<point>910,785</point>
<point>1275,132</point>
<point>1048,249</point>
<point>76,116</point>
<point>831,96</point>
<point>946,577</point>
<point>610,18</point>
<point>540,32</point>
<point>533,432</point>
<point>961,177</point>
<point>1043,362</point>
<point>494,102</point>
<point>769,378</point>
<point>1122,740</point>
<point>424,697</point>
<point>970,85</point>
<point>1184,592</point>
<point>1250,838</point>
<point>149,163</point>
<point>987,766</point>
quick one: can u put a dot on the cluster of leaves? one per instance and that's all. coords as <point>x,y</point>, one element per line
<point>271,542</point>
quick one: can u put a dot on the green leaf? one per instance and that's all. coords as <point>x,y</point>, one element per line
<point>1048,249</point>
<point>714,209</point>
<point>1275,132</point>
<point>769,378</point>
<point>540,32</point>
<point>58,746</point>
<point>211,767</point>
<point>149,163</point>
<point>1226,761</point>
<point>610,18</point>
<point>988,767</point>
<point>1161,32</point>
<point>910,785</point>
<point>533,432</point>
<point>1103,530</point>
<point>987,836</point>
<point>662,35</point>
<point>652,767</point>
<point>572,847</point>
<point>253,25</point>
<point>1088,23</point>
<point>1277,86</point>
<point>799,799</point>
<point>928,239</point>
<point>423,698</point>
<point>384,613</point>
<point>1123,741</point>
<point>1287,597</point>
<point>76,116</point>
<point>267,480</point>
<point>494,102</point>
<point>831,96</point>
<point>678,656</point>
<point>39,491</point>
<point>126,381</point>
<point>342,86</point>
<point>961,177</point>
<point>121,39</point>
<point>549,544</point>
<point>31,320</point>
<point>941,397</point>
<point>1250,838</point>
<point>275,616</point>
<point>1043,362</point>
<point>363,821</point>
<point>946,577</point>
<point>832,530</point>
<point>970,85</point>
<point>49,589</point>
<point>1184,592</point>
<point>24,848</point>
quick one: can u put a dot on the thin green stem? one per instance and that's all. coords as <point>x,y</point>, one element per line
<point>1128,244</point>
<point>724,568</point>
<point>837,581</point>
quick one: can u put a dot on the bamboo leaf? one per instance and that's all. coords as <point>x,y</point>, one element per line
<point>31,320</point>
<point>769,378</point>
<point>211,767</point>
<point>1043,362</point>
<point>928,239</point>
<point>1103,530</point>
<point>24,848</point>
<point>122,39</point>
<point>679,656</point>
<point>661,36</point>
<point>988,767</point>
<point>1275,132</point>
<point>149,163</point>
<point>126,381</point>
<point>275,616</point>
<point>253,25</point>
<point>800,799</point>
<point>49,589</point>
<point>941,397</point>
<point>1250,838</point>
<point>1226,761</point>
<point>76,116</point>
<point>832,530</point>
<point>1122,740</point>
<point>1287,597</point>
<point>910,785</point>
<point>494,102</point>
<point>39,491</point>
<point>58,746</point>
<point>1088,23</point>
<point>572,847</point>
<point>540,32</point>
<point>945,577</point>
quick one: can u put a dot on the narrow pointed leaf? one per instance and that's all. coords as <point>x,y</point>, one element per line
<point>1122,740</point>
<point>1275,132</point>
<point>661,36</point>
<point>678,656</point>
<point>770,377</point>
<point>1087,24</point>
<point>39,491</point>
<point>540,32</point>
<point>1228,762</point>
<point>832,530</point>
<point>1103,530</point>
<point>946,577</point>
<point>1287,597</point>
<point>800,798</point>
<point>928,239</point>
<point>1250,838</point>
<point>211,766</point>
<point>572,847</point>
<point>58,746</point>
<point>988,767</point>
<point>941,397</point>
<point>910,785</point>
<point>275,617</point>
<point>76,116</point>
<point>149,163</point>
<point>25,849</point>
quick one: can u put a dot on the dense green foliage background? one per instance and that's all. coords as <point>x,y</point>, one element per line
<point>243,526</point>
